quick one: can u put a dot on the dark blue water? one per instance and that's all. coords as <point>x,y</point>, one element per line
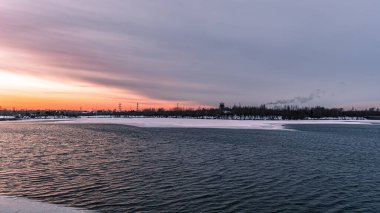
<point>114,168</point>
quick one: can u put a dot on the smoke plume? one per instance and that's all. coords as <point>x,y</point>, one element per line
<point>299,99</point>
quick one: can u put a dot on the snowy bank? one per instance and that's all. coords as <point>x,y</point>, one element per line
<point>207,123</point>
<point>23,205</point>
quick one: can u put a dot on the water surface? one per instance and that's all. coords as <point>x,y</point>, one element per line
<point>116,168</point>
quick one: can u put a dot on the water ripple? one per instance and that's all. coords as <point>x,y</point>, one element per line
<point>112,168</point>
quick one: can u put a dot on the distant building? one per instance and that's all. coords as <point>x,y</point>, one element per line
<point>221,108</point>
<point>221,105</point>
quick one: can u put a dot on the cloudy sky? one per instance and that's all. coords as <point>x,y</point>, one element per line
<point>97,53</point>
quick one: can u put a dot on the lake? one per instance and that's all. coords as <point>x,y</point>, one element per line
<point>118,168</point>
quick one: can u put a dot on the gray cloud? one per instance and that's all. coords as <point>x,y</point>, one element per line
<point>203,51</point>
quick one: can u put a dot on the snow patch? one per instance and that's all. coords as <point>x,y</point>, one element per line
<point>23,205</point>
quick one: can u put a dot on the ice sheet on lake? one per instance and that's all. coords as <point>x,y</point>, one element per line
<point>209,123</point>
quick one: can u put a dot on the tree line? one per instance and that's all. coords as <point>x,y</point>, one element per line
<point>234,112</point>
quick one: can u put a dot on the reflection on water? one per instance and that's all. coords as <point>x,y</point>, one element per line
<point>114,168</point>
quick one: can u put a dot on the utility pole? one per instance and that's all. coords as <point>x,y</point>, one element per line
<point>137,106</point>
<point>120,107</point>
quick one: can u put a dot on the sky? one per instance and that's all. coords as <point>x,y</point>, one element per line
<point>95,54</point>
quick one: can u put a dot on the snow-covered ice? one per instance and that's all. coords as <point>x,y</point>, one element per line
<point>23,205</point>
<point>207,123</point>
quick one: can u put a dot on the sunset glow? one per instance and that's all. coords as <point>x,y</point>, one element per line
<point>69,54</point>
<point>22,91</point>
<point>28,92</point>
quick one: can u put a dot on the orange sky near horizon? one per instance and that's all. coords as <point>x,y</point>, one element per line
<point>49,89</point>
<point>29,92</point>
